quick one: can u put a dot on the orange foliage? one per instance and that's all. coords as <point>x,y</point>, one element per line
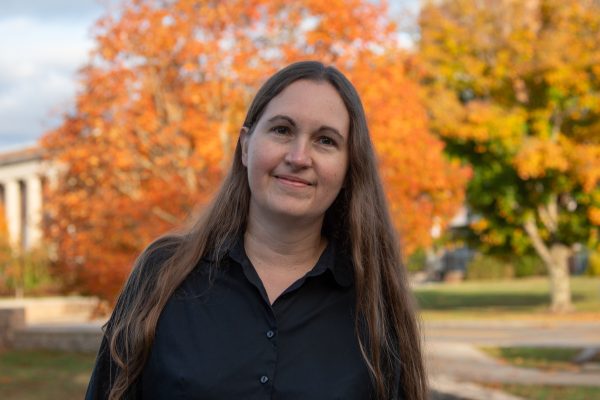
<point>161,105</point>
<point>594,215</point>
<point>422,185</point>
<point>585,159</point>
<point>8,269</point>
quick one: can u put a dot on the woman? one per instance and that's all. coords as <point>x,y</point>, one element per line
<point>290,286</point>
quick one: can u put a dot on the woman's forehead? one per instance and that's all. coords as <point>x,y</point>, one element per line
<point>306,101</point>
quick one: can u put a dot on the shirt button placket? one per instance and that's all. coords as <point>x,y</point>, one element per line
<point>271,354</point>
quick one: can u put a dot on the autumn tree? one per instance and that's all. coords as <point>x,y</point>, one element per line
<point>514,89</point>
<point>161,105</point>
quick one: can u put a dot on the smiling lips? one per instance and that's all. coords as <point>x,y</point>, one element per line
<point>293,181</point>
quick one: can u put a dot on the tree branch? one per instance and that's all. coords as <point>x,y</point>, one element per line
<point>165,216</point>
<point>538,243</point>
<point>548,214</point>
<point>557,121</point>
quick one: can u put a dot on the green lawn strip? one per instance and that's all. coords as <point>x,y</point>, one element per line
<point>485,299</point>
<point>544,358</point>
<point>44,375</point>
<point>534,392</point>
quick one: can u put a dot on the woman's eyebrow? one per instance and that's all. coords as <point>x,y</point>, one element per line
<point>285,117</point>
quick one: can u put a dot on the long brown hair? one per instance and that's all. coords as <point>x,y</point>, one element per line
<point>386,325</point>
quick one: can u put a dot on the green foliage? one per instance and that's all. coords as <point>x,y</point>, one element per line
<point>528,265</point>
<point>28,273</point>
<point>37,277</point>
<point>6,259</point>
<point>417,261</point>
<point>593,268</point>
<point>486,267</point>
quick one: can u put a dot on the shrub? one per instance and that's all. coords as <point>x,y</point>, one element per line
<point>483,267</point>
<point>528,265</point>
<point>593,268</point>
<point>417,261</point>
<point>27,273</point>
<point>37,278</point>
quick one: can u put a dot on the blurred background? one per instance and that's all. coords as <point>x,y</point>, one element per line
<point>119,119</point>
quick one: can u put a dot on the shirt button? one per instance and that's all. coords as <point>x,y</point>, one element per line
<point>264,379</point>
<point>270,334</point>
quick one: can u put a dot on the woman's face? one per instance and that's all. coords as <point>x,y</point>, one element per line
<point>297,154</point>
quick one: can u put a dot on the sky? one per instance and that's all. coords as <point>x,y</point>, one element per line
<point>42,45</point>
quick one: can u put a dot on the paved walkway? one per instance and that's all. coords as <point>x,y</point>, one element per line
<point>446,388</point>
<point>456,365</point>
<point>465,362</point>
<point>515,333</point>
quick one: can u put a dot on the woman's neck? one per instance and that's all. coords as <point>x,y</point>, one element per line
<point>284,247</point>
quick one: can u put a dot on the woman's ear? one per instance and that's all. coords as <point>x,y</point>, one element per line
<point>244,136</point>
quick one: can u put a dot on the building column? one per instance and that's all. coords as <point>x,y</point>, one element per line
<point>12,202</point>
<point>33,232</point>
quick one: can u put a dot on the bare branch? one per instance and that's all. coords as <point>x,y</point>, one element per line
<point>538,243</point>
<point>548,214</point>
<point>165,216</point>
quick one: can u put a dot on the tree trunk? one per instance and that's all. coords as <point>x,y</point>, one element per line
<point>556,259</point>
<point>558,270</point>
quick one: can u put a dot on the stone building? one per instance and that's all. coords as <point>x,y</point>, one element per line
<point>23,174</point>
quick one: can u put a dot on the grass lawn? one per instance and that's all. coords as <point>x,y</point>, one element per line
<point>532,392</point>
<point>518,298</point>
<point>44,375</point>
<point>545,358</point>
<point>548,359</point>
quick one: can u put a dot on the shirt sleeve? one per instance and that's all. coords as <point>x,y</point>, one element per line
<point>105,369</point>
<point>102,375</point>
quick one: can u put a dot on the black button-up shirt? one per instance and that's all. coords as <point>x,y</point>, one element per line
<point>219,337</point>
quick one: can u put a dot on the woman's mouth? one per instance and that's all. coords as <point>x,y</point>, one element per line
<point>293,180</point>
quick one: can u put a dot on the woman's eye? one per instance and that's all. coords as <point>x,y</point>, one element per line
<point>326,141</point>
<point>281,130</point>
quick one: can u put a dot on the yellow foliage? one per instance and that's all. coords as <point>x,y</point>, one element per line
<point>537,156</point>
<point>593,268</point>
<point>585,159</point>
<point>480,225</point>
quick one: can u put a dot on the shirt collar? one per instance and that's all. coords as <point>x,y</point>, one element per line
<point>332,259</point>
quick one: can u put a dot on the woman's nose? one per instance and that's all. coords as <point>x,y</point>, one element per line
<point>298,154</point>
